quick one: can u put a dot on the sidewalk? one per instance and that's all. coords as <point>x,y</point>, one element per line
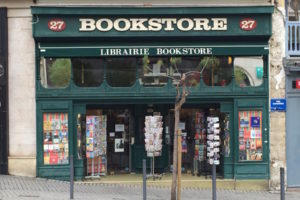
<point>24,188</point>
<point>188,182</point>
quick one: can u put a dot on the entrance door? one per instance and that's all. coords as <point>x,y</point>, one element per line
<point>293,135</point>
<point>113,148</point>
<point>194,141</point>
<point>119,131</point>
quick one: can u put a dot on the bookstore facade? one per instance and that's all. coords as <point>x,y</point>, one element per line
<point>102,71</point>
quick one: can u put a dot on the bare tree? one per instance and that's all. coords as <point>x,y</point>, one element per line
<point>181,95</point>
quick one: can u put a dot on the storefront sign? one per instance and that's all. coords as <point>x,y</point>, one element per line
<point>100,22</point>
<point>155,51</point>
<point>153,24</point>
<point>278,104</point>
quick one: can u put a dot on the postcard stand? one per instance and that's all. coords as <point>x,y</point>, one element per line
<point>96,146</point>
<point>153,141</point>
<point>213,140</point>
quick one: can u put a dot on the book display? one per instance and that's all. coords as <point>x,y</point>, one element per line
<point>55,138</point>
<point>250,135</point>
<point>96,145</point>
<point>153,140</point>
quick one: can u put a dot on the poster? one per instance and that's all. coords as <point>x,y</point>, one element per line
<point>244,122</point>
<point>119,128</point>
<point>181,125</point>
<point>251,149</point>
<point>112,134</point>
<point>255,122</point>
<point>55,136</point>
<point>119,145</point>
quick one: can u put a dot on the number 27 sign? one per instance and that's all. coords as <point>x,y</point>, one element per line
<point>248,24</point>
<point>56,25</point>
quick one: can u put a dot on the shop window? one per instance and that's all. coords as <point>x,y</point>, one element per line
<point>180,65</point>
<point>250,135</point>
<point>55,138</point>
<point>153,71</point>
<point>121,72</point>
<point>55,72</point>
<point>216,71</point>
<point>88,72</point>
<point>248,71</point>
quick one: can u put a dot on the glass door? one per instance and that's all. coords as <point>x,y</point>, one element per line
<point>119,131</point>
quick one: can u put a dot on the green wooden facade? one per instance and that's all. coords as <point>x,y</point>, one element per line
<point>74,100</point>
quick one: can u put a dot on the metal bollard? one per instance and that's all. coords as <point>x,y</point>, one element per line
<point>214,187</point>
<point>144,180</point>
<point>282,191</point>
<point>71,177</point>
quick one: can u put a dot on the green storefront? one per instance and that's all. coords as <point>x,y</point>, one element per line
<point>116,65</point>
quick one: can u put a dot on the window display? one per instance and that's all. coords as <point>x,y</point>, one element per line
<point>55,138</point>
<point>250,135</point>
<point>200,137</point>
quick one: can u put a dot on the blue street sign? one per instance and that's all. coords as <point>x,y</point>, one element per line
<point>278,104</point>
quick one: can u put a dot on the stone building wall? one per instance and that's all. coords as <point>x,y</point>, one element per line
<point>277,90</point>
<point>22,109</point>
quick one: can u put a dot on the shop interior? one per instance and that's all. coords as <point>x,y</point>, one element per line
<point>106,136</point>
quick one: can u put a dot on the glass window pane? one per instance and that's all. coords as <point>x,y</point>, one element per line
<point>225,128</point>
<point>55,72</point>
<point>80,135</point>
<point>153,71</point>
<point>121,72</point>
<point>180,65</point>
<point>88,72</point>
<point>217,71</point>
<point>248,71</point>
<point>55,138</point>
<point>250,135</point>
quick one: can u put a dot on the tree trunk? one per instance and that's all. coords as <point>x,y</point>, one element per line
<point>180,99</point>
<point>175,149</point>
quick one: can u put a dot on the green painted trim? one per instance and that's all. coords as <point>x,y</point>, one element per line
<point>125,10</point>
<point>95,51</point>
<point>250,167</point>
<point>57,171</point>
